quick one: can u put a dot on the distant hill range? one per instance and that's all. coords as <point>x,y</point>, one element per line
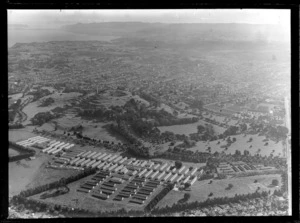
<point>184,32</point>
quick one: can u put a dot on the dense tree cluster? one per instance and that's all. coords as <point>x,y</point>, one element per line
<point>100,114</point>
<point>178,164</point>
<point>185,155</point>
<point>13,109</point>
<point>47,102</point>
<point>152,100</point>
<point>232,130</point>
<point>42,117</point>
<point>39,93</point>
<point>278,132</point>
<point>69,89</point>
<point>197,104</point>
<point>58,191</point>
<point>185,198</point>
<point>15,126</point>
<point>204,133</point>
<point>136,148</point>
<point>158,197</point>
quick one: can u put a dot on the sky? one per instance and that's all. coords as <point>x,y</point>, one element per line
<point>57,18</point>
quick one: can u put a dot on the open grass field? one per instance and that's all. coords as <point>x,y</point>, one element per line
<point>16,135</point>
<point>234,107</point>
<point>13,98</point>
<point>166,108</point>
<point>92,129</point>
<point>220,110</point>
<point>201,189</point>
<point>111,98</point>
<point>241,144</point>
<point>49,127</point>
<point>22,173</point>
<point>48,175</point>
<point>60,100</point>
<point>221,119</point>
<point>12,152</point>
<point>189,128</point>
<point>67,122</point>
<point>185,115</point>
<point>101,131</point>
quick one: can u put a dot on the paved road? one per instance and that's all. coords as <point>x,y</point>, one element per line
<point>288,151</point>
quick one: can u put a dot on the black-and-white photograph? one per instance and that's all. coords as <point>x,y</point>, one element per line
<point>149,113</point>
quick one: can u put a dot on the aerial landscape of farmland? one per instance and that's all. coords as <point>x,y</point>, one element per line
<point>153,122</point>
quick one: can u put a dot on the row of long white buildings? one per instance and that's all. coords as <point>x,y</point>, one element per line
<point>113,162</point>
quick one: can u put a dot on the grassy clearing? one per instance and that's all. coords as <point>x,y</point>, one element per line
<point>92,129</point>
<point>48,175</point>
<point>60,100</point>
<point>189,128</point>
<point>101,132</point>
<point>12,152</point>
<point>201,189</point>
<point>110,98</point>
<point>20,134</point>
<point>242,144</point>
<point>22,173</point>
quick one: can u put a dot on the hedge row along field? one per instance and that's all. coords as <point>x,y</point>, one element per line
<point>158,197</point>
<point>25,153</point>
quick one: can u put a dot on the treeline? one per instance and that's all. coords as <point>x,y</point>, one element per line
<point>279,132</point>
<point>284,184</point>
<point>137,111</point>
<point>186,156</point>
<point>15,126</point>
<point>42,117</point>
<point>59,183</point>
<point>47,102</point>
<point>40,206</point>
<point>158,197</point>
<point>100,114</point>
<point>178,207</point>
<point>75,90</point>
<point>39,93</point>
<point>136,148</point>
<point>177,121</point>
<point>13,109</point>
<point>25,152</point>
<point>19,147</point>
<point>152,100</point>
<point>19,157</point>
<point>83,140</point>
<point>57,192</point>
<point>123,129</point>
